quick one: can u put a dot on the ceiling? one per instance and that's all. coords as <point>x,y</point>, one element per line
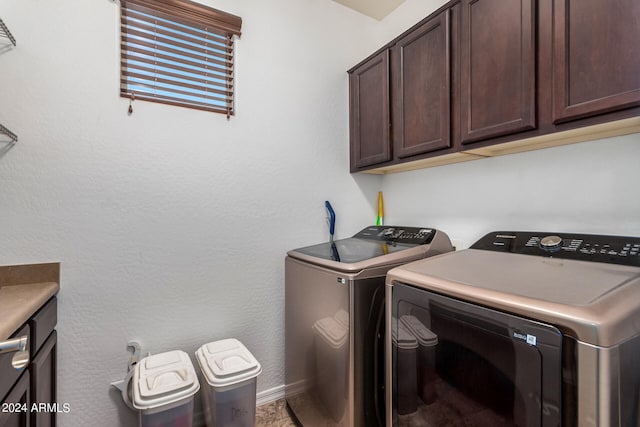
<point>377,9</point>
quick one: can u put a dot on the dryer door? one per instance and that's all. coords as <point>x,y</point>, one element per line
<point>455,363</point>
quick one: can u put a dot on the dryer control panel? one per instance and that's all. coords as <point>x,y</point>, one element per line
<point>395,234</point>
<point>585,247</point>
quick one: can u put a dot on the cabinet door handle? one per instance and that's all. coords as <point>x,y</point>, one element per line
<point>18,345</point>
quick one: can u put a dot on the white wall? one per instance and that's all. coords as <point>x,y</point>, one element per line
<point>172,224</point>
<point>590,187</point>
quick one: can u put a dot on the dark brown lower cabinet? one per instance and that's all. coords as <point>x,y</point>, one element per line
<point>16,405</point>
<point>43,389</point>
<point>8,374</point>
<point>29,395</point>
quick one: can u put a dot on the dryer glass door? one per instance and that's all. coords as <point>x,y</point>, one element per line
<point>455,363</point>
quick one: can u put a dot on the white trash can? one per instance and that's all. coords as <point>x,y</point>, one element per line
<point>230,372</point>
<point>163,388</point>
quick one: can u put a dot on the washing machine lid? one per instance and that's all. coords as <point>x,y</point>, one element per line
<point>595,301</point>
<point>375,246</point>
<point>351,250</point>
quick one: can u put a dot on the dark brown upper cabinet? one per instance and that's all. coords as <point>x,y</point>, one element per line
<point>369,112</point>
<point>596,57</point>
<point>498,68</point>
<point>421,96</point>
<point>481,78</point>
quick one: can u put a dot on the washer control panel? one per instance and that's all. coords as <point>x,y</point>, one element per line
<point>585,247</point>
<point>395,234</point>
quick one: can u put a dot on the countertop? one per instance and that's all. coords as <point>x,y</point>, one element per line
<point>23,290</point>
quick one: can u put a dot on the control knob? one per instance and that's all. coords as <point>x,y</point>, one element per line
<point>389,233</point>
<point>551,243</point>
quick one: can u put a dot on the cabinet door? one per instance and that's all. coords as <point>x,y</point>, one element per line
<point>15,409</point>
<point>8,374</point>
<point>43,383</point>
<point>596,57</point>
<point>498,78</point>
<point>369,112</point>
<point>422,89</point>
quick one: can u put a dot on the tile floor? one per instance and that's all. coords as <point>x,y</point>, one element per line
<point>274,415</point>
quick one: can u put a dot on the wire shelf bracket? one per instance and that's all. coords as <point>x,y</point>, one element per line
<point>4,132</point>
<point>4,32</point>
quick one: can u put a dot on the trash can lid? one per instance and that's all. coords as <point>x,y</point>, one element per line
<point>331,331</point>
<point>226,362</point>
<point>424,335</point>
<point>162,379</point>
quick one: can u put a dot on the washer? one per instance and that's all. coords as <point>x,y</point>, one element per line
<point>525,328</point>
<point>334,322</point>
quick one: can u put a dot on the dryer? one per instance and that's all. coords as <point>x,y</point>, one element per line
<point>524,328</point>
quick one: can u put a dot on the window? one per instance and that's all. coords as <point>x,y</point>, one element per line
<point>178,52</point>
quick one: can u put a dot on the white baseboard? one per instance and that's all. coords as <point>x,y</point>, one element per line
<point>270,395</point>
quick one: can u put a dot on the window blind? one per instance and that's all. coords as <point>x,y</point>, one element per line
<point>178,52</point>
